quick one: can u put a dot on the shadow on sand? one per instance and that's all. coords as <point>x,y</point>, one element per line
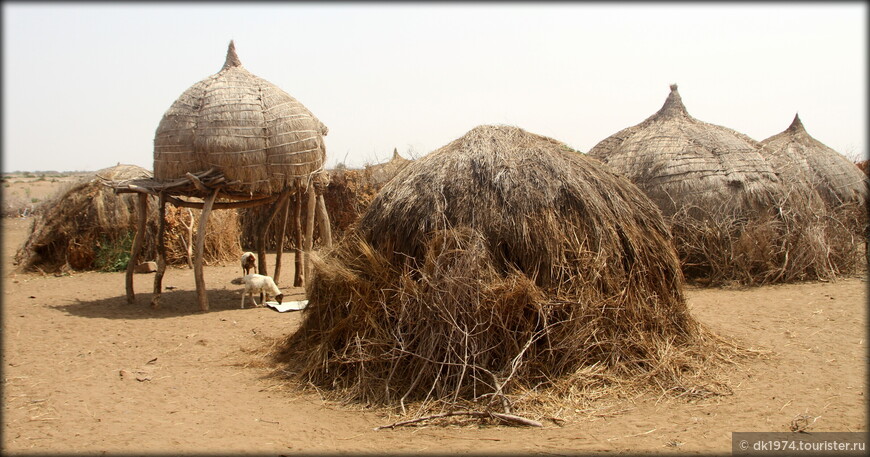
<point>174,303</point>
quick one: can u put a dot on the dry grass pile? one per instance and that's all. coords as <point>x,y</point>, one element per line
<point>87,226</point>
<point>501,272</point>
<point>733,218</point>
<point>783,242</point>
<point>253,132</point>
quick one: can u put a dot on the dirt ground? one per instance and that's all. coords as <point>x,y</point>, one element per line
<point>85,372</point>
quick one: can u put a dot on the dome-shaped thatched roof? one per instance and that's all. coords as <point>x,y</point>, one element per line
<point>256,134</point>
<point>797,156</point>
<point>732,217</point>
<point>679,160</point>
<point>501,252</point>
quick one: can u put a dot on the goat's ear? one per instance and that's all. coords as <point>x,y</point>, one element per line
<point>279,297</point>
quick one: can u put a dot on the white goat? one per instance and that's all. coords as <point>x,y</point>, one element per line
<point>249,262</point>
<point>263,285</point>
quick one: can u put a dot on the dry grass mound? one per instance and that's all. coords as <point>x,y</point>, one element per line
<point>492,273</point>
<point>733,218</point>
<point>86,226</point>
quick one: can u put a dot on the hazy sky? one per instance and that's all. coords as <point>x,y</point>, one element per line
<point>85,85</point>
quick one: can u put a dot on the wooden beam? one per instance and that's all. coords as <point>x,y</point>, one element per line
<point>309,229</point>
<point>264,229</point>
<point>280,248</point>
<point>201,293</point>
<point>221,205</point>
<point>298,273</point>
<point>161,251</point>
<point>196,182</point>
<point>323,222</point>
<point>137,246</point>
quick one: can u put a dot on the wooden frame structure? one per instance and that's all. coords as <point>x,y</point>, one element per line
<point>203,190</point>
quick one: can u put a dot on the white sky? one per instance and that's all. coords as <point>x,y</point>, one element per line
<point>85,85</point>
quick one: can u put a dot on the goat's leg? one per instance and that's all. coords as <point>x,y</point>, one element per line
<point>243,299</point>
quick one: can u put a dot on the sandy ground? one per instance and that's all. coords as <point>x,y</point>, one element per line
<point>85,372</point>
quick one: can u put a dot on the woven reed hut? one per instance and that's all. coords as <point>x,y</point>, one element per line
<point>235,140</point>
<point>732,217</point>
<point>499,262</point>
<point>85,226</point>
<point>797,156</point>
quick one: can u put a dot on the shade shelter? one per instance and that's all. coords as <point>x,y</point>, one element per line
<point>235,140</point>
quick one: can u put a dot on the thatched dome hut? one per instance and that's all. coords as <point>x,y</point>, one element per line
<point>680,161</point>
<point>501,261</point>
<point>797,156</point>
<point>86,226</point>
<point>732,217</point>
<point>256,134</point>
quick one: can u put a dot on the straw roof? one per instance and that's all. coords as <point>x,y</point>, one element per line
<point>732,217</point>
<point>798,156</point>
<point>501,260</point>
<point>679,160</point>
<point>247,128</point>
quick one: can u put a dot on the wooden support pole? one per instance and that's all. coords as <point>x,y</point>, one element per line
<point>264,229</point>
<point>309,228</point>
<point>323,222</point>
<point>161,251</point>
<point>280,248</point>
<point>138,241</point>
<point>201,294</point>
<point>298,274</point>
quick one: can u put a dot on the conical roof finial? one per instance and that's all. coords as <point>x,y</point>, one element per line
<point>395,153</point>
<point>232,57</point>
<point>796,124</point>
<point>673,105</point>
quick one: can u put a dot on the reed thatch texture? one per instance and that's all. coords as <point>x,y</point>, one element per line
<point>247,128</point>
<point>797,156</point>
<point>733,219</point>
<point>681,161</point>
<point>87,221</point>
<point>497,264</point>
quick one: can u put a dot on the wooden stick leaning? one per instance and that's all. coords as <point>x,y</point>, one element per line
<point>509,418</point>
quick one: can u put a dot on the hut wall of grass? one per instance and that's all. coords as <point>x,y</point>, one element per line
<point>733,219</point>
<point>495,269</point>
<point>86,226</point>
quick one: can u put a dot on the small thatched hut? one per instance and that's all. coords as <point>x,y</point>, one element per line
<point>732,217</point>
<point>497,263</point>
<point>86,226</point>
<point>234,140</point>
<point>797,156</point>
